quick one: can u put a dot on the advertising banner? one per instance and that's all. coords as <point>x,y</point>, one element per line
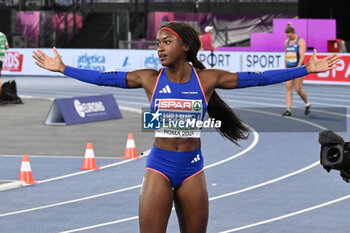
<point>20,62</point>
<point>261,61</point>
<point>229,61</point>
<point>67,111</point>
<point>340,75</point>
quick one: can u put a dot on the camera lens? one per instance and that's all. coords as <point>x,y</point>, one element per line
<point>333,155</point>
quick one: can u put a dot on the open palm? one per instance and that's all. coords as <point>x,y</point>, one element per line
<point>49,63</point>
<point>321,65</point>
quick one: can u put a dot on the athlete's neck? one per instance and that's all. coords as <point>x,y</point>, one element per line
<point>292,40</point>
<point>179,73</point>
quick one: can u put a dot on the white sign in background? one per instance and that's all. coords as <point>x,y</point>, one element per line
<point>19,62</point>
<point>261,61</point>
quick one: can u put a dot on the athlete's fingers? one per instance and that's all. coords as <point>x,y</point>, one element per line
<point>332,56</point>
<point>41,52</point>
<point>40,57</point>
<point>332,67</point>
<point>39,64</point>
<point>55,51</point>
<point>334,61</point>
<point>36,54</point>
<point>36,57</point>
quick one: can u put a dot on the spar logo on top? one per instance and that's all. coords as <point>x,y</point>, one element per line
<point>13,61</point>
<point>175,111</point>
<point>340,75</point>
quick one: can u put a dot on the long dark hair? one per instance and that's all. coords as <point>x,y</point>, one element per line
<point>232,127</point>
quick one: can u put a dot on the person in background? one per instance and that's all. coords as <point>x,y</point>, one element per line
<point>3,46</point>
<point>207,39</point>
<point>294,57</point>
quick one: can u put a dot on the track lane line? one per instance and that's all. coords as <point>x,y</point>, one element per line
<point>288,215</point>
<point>235,192</point>
<point>251,146</point>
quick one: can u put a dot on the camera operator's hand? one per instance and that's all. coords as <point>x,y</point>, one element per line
<point>321,65</point>
<point>49,63</point>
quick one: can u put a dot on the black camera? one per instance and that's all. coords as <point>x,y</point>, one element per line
<point>335,153</point>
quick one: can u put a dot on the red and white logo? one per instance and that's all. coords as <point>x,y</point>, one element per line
<point>13,62</point>
<point>175,104</point>
<point>339,74</point>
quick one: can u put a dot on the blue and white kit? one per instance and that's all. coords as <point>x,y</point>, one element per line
<point>292,54</point>
<point>177,102</point>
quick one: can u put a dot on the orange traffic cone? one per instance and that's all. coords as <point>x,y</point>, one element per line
<point>130,149</point>
<point>26,171</point>
<point>89,158</point>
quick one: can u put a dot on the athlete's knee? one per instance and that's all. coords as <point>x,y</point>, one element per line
<point>289,86</point>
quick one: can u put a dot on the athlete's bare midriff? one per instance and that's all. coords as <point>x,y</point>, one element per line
<point>177,144</point>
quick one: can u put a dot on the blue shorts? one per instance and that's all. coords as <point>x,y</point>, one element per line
<point>177,167</point>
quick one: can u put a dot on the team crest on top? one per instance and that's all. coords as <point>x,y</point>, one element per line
<point>197,106</point>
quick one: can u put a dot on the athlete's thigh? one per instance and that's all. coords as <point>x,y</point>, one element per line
<point>155,205</point>
<point>191,203</point>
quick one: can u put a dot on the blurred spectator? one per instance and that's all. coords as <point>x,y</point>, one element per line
<point>200,39</point>
<point>207,39</point>
<point>3,46</point>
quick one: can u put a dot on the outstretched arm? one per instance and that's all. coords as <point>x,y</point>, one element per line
<point>116,79</point>
<point>228,80</point>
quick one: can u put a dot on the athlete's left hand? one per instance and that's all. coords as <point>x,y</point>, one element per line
<point>321,65</point>
<point>49,63</point>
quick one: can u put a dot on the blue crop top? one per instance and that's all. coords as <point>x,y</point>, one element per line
<point>181,106</point>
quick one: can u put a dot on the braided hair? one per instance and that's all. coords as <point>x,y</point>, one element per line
<point>232,127</point>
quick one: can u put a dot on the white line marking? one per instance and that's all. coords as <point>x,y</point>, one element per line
<point>290,118</point>
<point>60,157</point>
<point>256,139</point>
<point>251,146</point>
<point>288,215</point>
<point>210,199</point>
<point>283,106</point>
<point>101,225</point>
<point>71,201</point>
<point>232,157</point>
<point>265,183</point>
<point>272,97</point>
<point>83,172</point>
<point>221,196</point>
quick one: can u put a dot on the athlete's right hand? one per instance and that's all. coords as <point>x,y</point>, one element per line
<point>49,63</point>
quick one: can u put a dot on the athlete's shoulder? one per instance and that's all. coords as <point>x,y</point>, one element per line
<point>210,73</point>
<point>146,72</point>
